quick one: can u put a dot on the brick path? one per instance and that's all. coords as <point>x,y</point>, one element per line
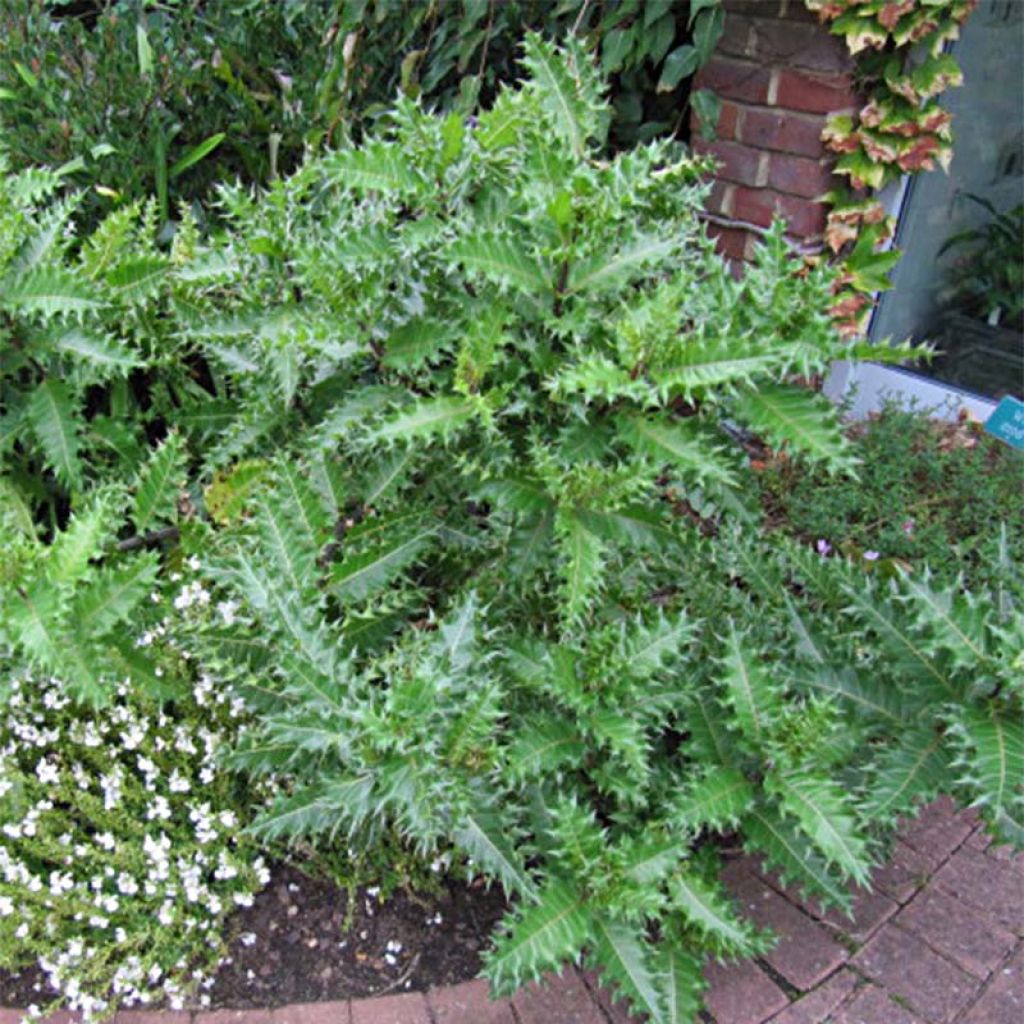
<point>938,940</point>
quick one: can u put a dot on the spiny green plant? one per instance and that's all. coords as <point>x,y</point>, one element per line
<point>499,362</point>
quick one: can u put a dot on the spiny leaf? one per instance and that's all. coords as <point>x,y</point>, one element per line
<point>54,421</point>
<point>582,565</point>
<point>613,270</point>
<point>378,166</point>
<point>51,291</point>
<point>792,856</point>
<point>482,835</point>
<point>709,911</point>
<point>113,595</point>
<point>716,800</point>
<point>429,418</point>
<point>544,936</point>
<point>797,419</point>
<point>542,745</point>
<point>137,279</point>
<point>96,350</point>
<point>571,103</point>
<point>991,759</point>
<point>914,769</point>
<point>159,483</point>
<point>623,953</point>
<point>504,261</point>
<point>682,978</point>
<point>751,694</point>
<point>826,818</point>
<point>368,572</point>
<point>681,445</point>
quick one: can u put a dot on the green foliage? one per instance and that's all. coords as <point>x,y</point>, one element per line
<point>121,842</point>
<point>166,100</point>
<point>926,493</point>
<point>444,575</point>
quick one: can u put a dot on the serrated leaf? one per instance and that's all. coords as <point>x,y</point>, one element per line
<point>229,491</point>
<point>681,445</point>
<point>432,417</point>
<point>377,166</point>
<point>158,484</point>
<point>682,979</point>
<point>137,279</point>
<point>707,909</point>
<point>582,565</point>
<point>544,936</point>
<point>991,759</point>
<point>96,350</point>
<point>716,800</point>
<point>750,691</point>
<point>792,855</point>
<point>913,768</point>
<point>625,957</point>
<point>613,270</point>
<point>541,746</point>
<point>799,420</point>
<point>482,835</point>
<point>826,819</point>
<point>503,261</point>
<point>55,424</point>
<point>113,595</point>
<point>368,572</point>
<point>51,291</point>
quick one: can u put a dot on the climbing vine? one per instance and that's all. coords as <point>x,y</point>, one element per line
<point>903,69</point>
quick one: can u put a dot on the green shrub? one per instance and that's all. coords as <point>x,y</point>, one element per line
<point>457,614</point>
<point>168,99</point>
<point>926,494</point>
<point>121,844</point>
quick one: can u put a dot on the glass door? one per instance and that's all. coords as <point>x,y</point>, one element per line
<point>960,283</point>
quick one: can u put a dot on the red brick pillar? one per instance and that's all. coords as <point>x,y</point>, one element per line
<point>778,73</point>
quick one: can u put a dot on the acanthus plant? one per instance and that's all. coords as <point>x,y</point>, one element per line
<point>458,616</point>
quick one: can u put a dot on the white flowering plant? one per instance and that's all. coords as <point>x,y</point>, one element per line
<point>122,843</point>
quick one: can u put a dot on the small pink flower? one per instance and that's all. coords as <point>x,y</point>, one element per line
<point>823,547</point>
<point>908,527</point>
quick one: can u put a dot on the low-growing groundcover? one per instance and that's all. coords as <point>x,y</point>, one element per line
<point>927,493</point>
<point>433,418</point>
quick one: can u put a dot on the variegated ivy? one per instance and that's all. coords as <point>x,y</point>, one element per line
<point>902,129</point>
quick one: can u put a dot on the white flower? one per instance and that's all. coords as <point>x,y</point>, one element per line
<point>46,772</point>
<point>106,840</point>
<point>247,938</point>
<point>6,906</point>
<point>127,885</point>
<point>243,899</point>
<point>159,808</point>
<point>178,783</point>
<point>228,610</point>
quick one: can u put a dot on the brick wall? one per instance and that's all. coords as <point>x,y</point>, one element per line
<point>778,74</point>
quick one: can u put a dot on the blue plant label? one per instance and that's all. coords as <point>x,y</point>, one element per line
<point>1007,422</point>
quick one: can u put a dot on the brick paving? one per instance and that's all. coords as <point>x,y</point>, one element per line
<point>939,939</point>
